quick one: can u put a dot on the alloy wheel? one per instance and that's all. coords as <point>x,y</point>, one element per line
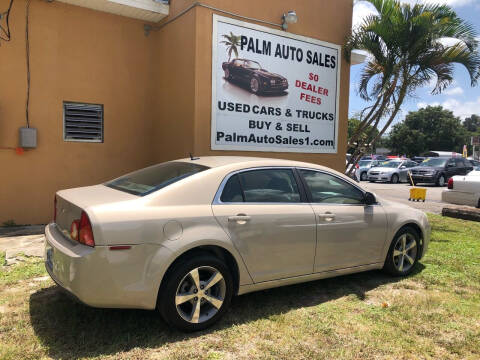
<point>254,85</point>
<point>200,294</point>
<point>394,179</point>
<point>364,176</point>
<point>405,252</point>
<point>441,180</point>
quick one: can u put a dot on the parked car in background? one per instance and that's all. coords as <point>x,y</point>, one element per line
<point>463,190</point>
<point>364,166</point>
<point>374,157</point>
<point>418,159</point>
<point>393,171</point>
<point>442,154</point>
<point>185,236</point>
<point>437,170</point>
<point>252,74</point>
<point>474,163</point>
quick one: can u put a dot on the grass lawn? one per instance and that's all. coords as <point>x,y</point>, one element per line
<point>433,314</point>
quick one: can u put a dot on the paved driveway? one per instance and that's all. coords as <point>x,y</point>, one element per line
<point>401,193</point>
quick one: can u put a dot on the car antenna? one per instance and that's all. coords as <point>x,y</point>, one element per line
<point>192,157</point>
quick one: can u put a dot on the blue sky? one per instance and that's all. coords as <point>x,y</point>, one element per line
<point>460,97</point>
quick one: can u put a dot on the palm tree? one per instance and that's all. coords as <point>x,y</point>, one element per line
<point>232,42</point>
<point>407,49</point>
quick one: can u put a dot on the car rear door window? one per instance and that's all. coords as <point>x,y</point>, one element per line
<point>329,189</point>
<point>232,192</point>
<point>269,186</point>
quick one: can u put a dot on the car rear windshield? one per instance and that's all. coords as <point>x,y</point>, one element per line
<point>156,177</point>
<point>364,163</point>
<point>435,162</point>
<point>390,164</point>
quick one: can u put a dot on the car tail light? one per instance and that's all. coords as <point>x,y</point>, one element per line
<point>85,232</point>
<point>357,166</point>
<point>450,183</point>
<point>55,208</point>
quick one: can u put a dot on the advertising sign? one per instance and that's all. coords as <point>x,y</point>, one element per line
<point>272,90</point>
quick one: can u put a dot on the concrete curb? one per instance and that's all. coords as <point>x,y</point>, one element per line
<point>22,230</point>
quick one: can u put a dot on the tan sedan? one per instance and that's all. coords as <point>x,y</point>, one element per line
<point>185,236</point>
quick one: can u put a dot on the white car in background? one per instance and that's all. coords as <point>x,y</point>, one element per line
<point>463,190</point>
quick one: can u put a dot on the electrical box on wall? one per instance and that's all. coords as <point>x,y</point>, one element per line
<point>28,138</point>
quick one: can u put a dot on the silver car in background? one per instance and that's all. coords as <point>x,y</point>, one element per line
<point>185,236</point>
<point>393,171</point>
<point>365,165</point>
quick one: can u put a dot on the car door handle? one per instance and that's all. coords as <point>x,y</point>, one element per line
<point>240,218</point>
<point>326,217</point>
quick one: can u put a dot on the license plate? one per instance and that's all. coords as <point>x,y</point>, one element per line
<point>50,258</point>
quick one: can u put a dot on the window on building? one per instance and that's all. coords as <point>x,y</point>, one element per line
<point>82,122</point>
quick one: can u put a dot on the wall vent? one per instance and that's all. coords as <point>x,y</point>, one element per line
<point>82,122</point>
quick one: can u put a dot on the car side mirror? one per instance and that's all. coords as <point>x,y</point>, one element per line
<point>403,167</point>
<point>370,199</point>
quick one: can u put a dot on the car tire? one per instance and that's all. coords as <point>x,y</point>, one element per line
<point>255,85</point>
<point>394,179</point>
<point>403,253</point>
<point>440,180</point>
<point>228,76</point>
<point>181,284</point>
<point>364,176</point>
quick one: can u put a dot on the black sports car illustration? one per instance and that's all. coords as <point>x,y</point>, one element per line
<point>252,74</point>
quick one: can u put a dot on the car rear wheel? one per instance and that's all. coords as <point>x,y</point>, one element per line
<point>254,85</point>
<point>441,180</point>
<point>196,293</point>
<point>228,76</point>
<point>403,253</point>
<point>394,179</point>
<point>363,176</point>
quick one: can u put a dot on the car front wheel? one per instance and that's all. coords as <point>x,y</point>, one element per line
<point>196,293</point>
<point>255,85</point>
<point>228,76</point>
<point>403,253</point>
<point>441,180</point>
<point>394,179</point>
<point>364,176</point>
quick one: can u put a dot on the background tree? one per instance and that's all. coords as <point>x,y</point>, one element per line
<point>472,124</point>
<point>406,52</point>
<point>353,124</point>
<point>428,129</point>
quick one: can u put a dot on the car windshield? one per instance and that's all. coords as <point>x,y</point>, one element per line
<point>249,64</point>
<point>363,163</point>
<point>390,164</point>
<point>153,178</point>
<point>435,162</point>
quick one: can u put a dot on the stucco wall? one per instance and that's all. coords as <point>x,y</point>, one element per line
<point>156,92</point>
<point>76,55</point>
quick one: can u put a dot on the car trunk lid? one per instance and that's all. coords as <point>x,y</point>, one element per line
<point>70,203</point>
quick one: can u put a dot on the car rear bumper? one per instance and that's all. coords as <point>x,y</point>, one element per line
<point>460,197</point>
<point>98,276</point>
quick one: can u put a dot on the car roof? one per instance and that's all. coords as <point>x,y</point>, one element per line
<point>247,161</point>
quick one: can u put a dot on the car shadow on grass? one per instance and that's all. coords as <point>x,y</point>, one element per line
<point>72,330</point>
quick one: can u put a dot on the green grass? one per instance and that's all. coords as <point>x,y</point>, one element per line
<point>433,314</point>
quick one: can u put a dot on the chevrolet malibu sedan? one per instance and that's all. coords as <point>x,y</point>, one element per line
<point>393,171</point>
<point>185,236</point>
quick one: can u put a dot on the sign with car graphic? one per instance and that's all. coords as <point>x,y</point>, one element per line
<point>272,90</point>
